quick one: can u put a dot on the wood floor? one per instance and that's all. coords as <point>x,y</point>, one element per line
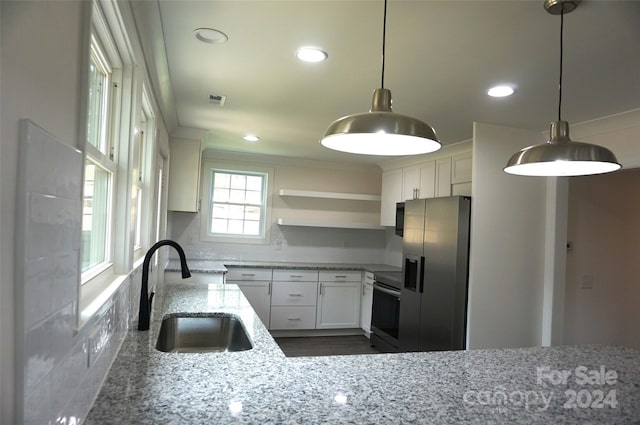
<point>325,345</point>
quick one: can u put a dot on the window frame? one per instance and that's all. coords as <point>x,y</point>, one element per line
<point>208,167</point>
<point>103,51</point>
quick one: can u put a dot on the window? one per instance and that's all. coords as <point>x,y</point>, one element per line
<point>100,168</point>
<point>237,205</point>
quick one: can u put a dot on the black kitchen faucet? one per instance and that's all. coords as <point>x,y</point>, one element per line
<point>144,314</point>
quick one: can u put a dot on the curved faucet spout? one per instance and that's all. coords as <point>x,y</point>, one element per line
<point>144,315</point>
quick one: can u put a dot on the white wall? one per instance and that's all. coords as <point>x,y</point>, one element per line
<point>295,243</point>
<point>32,86</point>
<point>63,366</point>
<point>506,271</point>
<point>604,230</point>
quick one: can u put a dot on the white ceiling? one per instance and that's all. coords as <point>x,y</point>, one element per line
<point>441,57</point>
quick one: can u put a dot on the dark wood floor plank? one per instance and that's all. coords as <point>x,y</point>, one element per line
<point>325,345</point>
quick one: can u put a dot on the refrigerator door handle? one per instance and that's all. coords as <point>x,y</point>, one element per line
<point>421,274</point>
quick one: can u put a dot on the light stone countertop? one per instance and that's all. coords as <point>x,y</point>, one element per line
<point>262,386</point>
<point>222,266</point>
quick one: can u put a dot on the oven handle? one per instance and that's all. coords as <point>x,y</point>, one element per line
<point>386,290</point>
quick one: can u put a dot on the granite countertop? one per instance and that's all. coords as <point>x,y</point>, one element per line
<point>262,386</point>
<point>222,266</point>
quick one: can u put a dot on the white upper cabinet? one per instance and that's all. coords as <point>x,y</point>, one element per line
<point>390,194</point>
<point>442,177</point>
<point>184,175</point>
<point>418,181</point>
<point>445,176</point>
<point>461,168</point>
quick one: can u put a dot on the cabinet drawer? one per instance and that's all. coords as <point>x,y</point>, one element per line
<point>340,276</point>
<point>369,278</point>
<point>293,318</point>
<point>296,275</point>
<point>294,293</point>
<point>249,274</point>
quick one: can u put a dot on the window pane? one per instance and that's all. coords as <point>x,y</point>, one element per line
<point>252,213</point>
<point>95,216</point>
<point>219,225</point>
<point>222,180</point>
<point>254,183</point>
<point>236,196</point>
<point>238,182</point>
<point>220,195</point>
<point>254,198</point>
<point>252,228</point>
<point>137,201</point>
<point>97,111</point>
<point>235,227</point>
<point>237,203</point>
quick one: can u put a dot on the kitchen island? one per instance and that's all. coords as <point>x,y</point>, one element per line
<point>262,386</point>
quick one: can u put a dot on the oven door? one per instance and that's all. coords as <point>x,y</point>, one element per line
<point>385,318</point>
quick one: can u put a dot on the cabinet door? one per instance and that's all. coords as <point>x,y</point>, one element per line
<point>427,188</point>
<point>184,175</point>
<point>410,182</point>
<point>365,311</point>
<point>390,194</point>
<point>461,168</point>
<point>443,177</point>
<point>419,181</point>
<point>259,296</point>
<point>338,305</point>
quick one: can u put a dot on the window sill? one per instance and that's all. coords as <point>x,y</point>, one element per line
<point>94,294</point>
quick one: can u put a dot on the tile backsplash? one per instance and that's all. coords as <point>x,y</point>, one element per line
<point>59,368</point>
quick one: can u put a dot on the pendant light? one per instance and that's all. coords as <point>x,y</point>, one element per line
<point>381,131</point>
<point>560,156</point>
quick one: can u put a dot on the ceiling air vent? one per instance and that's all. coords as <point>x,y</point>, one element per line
<point>216,99</point>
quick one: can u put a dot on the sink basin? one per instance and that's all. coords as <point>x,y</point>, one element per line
<point>202,333</point>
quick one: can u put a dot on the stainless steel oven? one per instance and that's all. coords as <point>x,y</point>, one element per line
<point>385,313</point>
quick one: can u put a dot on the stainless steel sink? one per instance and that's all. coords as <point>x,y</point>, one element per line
<point>202,333</point>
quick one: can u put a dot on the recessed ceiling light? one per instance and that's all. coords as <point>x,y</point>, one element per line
<point>311,54</point>
<point>501,91</point>
<point>210,35</point>
<point>251,138</point>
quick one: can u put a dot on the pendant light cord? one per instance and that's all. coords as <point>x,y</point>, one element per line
<point>561,55</point>
<point>384,38</point>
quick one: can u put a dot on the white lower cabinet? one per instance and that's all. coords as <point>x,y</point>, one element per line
<point>259,296</point>
<point>255,285</point>
<point>338,300</point>
<point>293,299</point>
<point>367,303</point>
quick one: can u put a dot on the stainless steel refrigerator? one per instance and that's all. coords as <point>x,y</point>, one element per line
<point>433,299</point>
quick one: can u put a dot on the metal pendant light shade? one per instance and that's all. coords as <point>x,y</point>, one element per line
<point>561,156</point>
<point>381,131</point>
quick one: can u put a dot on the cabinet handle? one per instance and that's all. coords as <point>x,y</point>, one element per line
<point>294,318</point>
<point>248,274</point>
<point>295,295</point>
<point>320,288</point>
<point>269,289</point>
<point>341,276</point>
<point>295,275</point>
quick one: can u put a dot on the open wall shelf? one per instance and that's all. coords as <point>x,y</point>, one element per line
<point>293,222</point>
<point>329,195</point>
